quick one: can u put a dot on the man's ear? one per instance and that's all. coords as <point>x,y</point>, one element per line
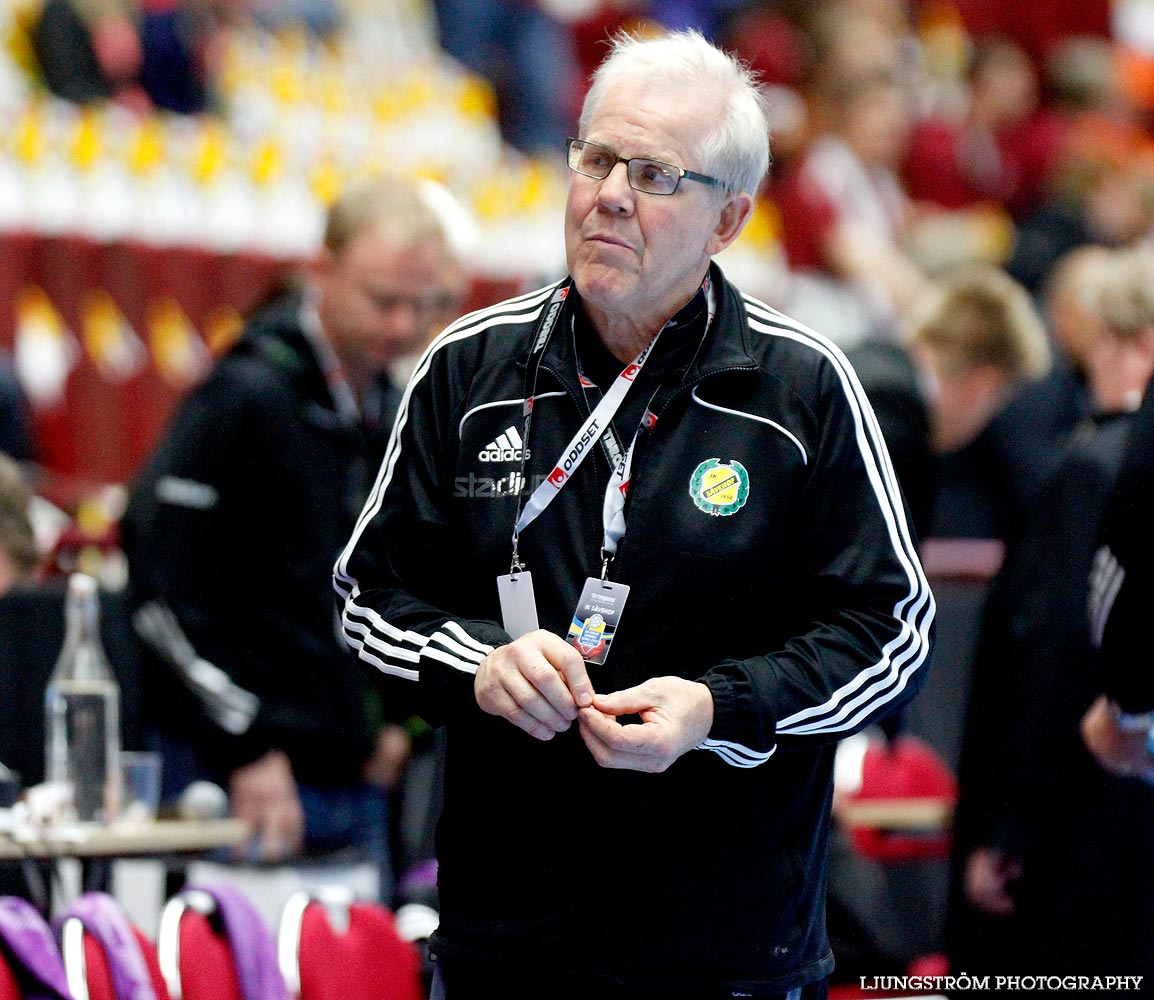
<point>735,214</point>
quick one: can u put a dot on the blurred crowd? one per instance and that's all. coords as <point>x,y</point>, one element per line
<point>960,196</point>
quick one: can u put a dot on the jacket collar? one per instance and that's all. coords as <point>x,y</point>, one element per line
<point>725,348</point>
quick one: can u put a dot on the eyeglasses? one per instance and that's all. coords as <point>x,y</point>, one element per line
<point>424,305</point>
<point>647,176</point>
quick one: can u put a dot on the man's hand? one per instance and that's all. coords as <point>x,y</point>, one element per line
<point>676,715</point>
<point>537,682</point>
<point>1117,748</point>
<point>987,881</point>
<point>389,758</point>
<point>264,793</point>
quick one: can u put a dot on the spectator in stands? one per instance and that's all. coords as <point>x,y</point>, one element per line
<point>528,55</point>
<point>999,152</point>
<point>1056,403</point>
<point>656,826</point>
<point>843,210</point>
<point>1056,858</point>
<point>1038,26</point>
<point>19,556</point>
<point>141,53</point>
<point>1101,191</point>
<point>233,526</point>
<point>90,50</point>
<point>978,341</point>
<point>177,39</point>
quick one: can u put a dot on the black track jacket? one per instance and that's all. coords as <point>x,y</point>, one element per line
<point>804,609</point>
<point>231,530</point>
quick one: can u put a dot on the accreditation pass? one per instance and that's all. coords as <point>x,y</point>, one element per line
<point>595,620</point>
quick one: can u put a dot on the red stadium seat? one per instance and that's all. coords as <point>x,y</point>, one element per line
<point>332,947</point>
<point>89,961</point>
<point>214,946</point>
<point>908,776</point>
<point>9,988</point>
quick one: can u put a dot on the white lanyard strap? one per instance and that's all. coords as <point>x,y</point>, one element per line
<point>613,509</point>
<point>578,448</point>
<point>344,399</point>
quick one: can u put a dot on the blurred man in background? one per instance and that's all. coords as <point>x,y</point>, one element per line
<point>233,526</point>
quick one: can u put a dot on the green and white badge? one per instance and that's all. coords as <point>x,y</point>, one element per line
<point>719,489</point>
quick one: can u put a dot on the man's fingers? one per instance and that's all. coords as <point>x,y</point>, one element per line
<point>634,738</point>
<point>506,691</point>
<point>531,683</point>
<point>502,704</point>
<point>289,829</point>
<point>527,697</point>
<point>627,702</point>
<point>605,741</point>
<point>569,667</point>
<point>635,747</point>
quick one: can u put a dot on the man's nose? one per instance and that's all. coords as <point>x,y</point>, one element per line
<point>403,319</point>
<point>615,192</point>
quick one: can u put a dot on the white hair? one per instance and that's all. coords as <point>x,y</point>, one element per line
<point>736,150</point>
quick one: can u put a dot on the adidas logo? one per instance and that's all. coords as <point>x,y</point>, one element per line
<point>507,448</point>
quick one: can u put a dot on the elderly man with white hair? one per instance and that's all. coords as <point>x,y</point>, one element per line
<point>638,544</point>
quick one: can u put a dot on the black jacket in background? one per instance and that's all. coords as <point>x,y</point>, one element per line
<point>233,526</point>
<point>1027,786</point>
<point>1125,566</point>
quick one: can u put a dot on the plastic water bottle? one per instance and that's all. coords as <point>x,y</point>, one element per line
<point>82,712</point>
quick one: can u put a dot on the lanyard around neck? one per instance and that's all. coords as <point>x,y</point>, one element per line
<point>580,445</point>
<point>340,389</point>
<point>598,426</point>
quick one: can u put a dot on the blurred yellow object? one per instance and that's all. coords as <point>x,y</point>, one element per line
<point>287,83</point>
<point>88,143</point>
<point>386,104</point>
<point>18,38</point>
<point>476,98</point>
<point>764,226</point>
<point>416,91</point>
<point>211,153</point>
<point>180,355</point>
<point>333,91</point>
<point>222,329</point>
<point>267,163</point>
<point>326,182</point>
<point>147,150</point>
<point>29,142</point>
<point>108,337</point>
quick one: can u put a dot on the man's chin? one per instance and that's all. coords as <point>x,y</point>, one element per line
<point>604,286</point>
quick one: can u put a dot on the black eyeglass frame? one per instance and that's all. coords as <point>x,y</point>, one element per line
<point>571,145</point>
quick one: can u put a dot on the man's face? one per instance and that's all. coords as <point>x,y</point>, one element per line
<point>640,257</point>
<point>379,301</point>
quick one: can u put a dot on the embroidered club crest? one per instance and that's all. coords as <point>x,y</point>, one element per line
<point>717,489</point>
